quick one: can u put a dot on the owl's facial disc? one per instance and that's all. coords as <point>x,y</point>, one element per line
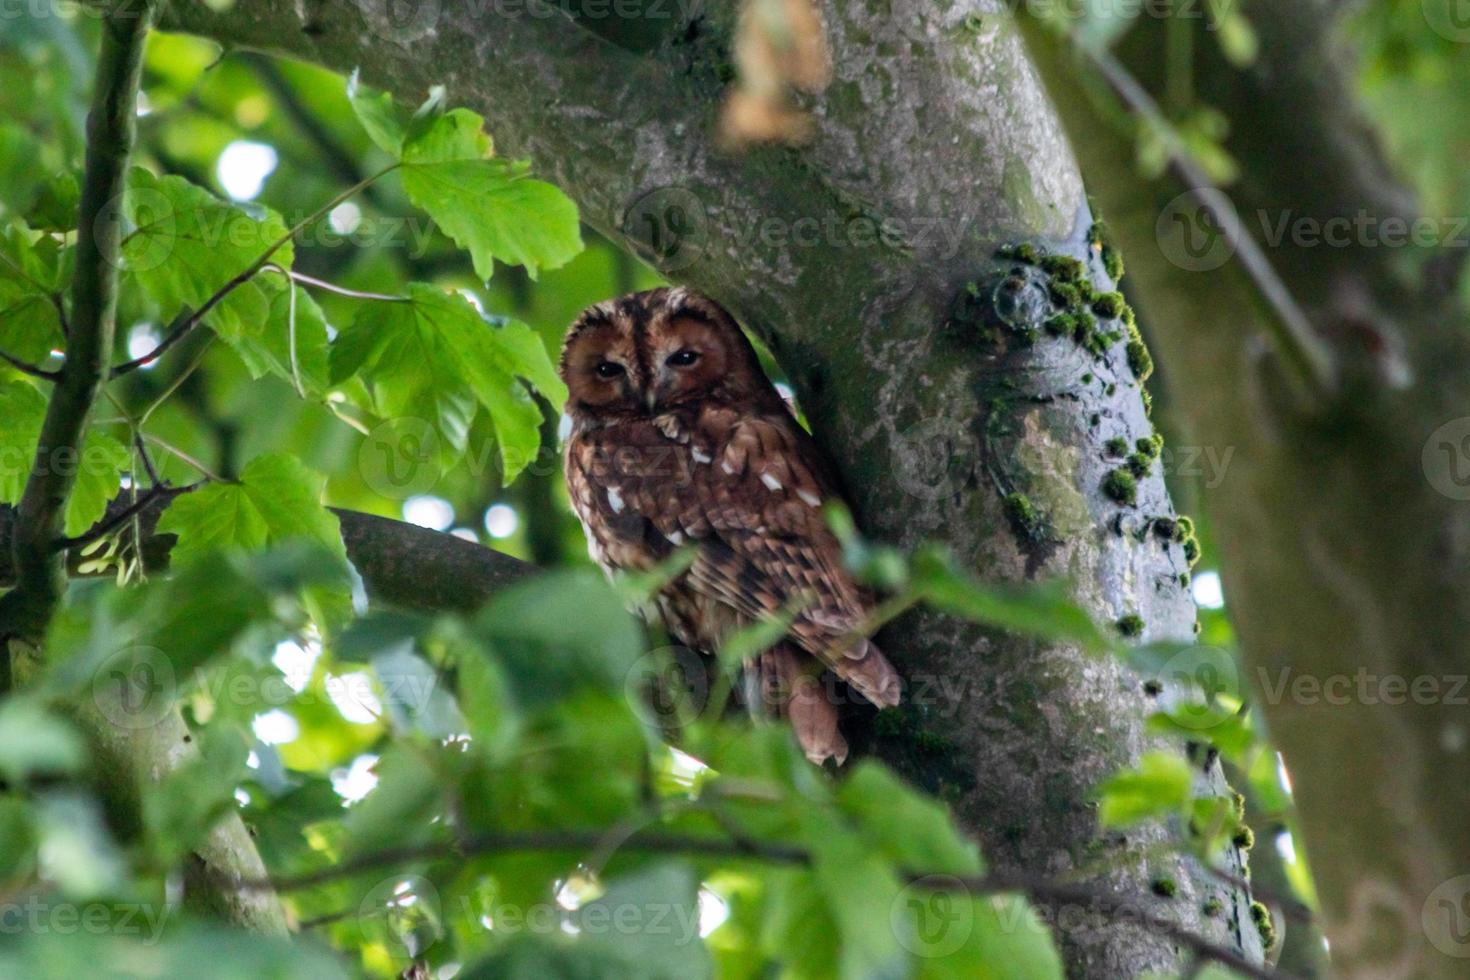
<point>686,357</point>
<point>601,370</point>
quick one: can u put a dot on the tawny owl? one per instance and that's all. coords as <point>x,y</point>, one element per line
<point>679,439</point>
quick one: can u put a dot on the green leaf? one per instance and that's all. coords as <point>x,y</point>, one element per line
<point>181,809</point>
<point>414,352</point>
<point>492,209</point>
<point>400,807</point>
<point>913,831</point>
<point>277,499</point>
<point>860,889</point>
<point>99,469</point>
<point>57,199</point>
<point>32,741</point>
<point>23,408</point>
<point>186,244</point>
<point>651,920</point>
<point>269,352</point>
<point>559,633</point>
<point>1162,784</point>
<point>982,937</point>
<point>30,270</point>
<point>97,466</point>
<point>458,134</point>
<point>383,119</point>
<point>145,941</point>
<point>1043,611</point>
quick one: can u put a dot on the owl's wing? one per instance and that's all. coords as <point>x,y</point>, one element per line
<point>749,493</point>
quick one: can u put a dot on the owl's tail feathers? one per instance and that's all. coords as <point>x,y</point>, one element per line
<point>868,671</point>
<point>788,691</point>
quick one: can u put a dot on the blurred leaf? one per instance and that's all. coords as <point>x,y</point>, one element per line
<point>17,839</point>
<point>649,920</point>
<point>913,831</point>
<point>399,809</point>
<point>559,633</point>
<point>78,852</point>
<point>191,799</point>
<point>34,741</point>
<point>1045,611</point>
<point>143,950</point>
<point>1162,784</point>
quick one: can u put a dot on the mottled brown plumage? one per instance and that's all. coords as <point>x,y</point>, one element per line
<point>678,438</point>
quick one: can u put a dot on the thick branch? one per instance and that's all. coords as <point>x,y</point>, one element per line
<point>400,564</point>
<point>111,127</point>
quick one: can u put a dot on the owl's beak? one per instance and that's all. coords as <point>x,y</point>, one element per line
<point>651,397</point>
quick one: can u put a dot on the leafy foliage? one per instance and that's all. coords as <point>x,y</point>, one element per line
<point>486,792</point>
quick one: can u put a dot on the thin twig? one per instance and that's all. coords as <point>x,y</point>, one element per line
<point>185,323</point>
<point>1148,913</point>
<point>148,466</point>
<point>173,450</point>
<point>117,520</point>
<point>25,367</point>
<point>343,290</point>
<point>1292,329</point>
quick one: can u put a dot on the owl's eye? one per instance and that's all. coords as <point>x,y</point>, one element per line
<point>609,369</point>
<point>682,358</point>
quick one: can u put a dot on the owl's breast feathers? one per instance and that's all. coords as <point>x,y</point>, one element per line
<point>747,492</point>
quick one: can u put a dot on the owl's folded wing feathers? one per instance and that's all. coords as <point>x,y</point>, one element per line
<point>751,501</point>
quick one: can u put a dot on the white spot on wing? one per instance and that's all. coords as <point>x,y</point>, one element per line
<point>725,465</point>
<point>699,455</point>
<point>615,500</point>
<point>676,537</point>
<point>770,481</point>
<point>809,498</point>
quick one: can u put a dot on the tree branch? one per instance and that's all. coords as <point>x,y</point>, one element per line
<point>401,565</point>
<point>1152,914</point>
<point>25,367</point>
<point>111,127</point>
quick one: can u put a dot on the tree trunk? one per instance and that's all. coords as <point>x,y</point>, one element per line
<point>1343,527</point>
<point>853,259</point>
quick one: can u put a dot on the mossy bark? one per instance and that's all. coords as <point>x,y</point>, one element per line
<point>934,146</point>
<point>1344,535</point>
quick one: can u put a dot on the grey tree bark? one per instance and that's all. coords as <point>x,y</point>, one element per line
<point>1343,524</point>
<point>868,262</point>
